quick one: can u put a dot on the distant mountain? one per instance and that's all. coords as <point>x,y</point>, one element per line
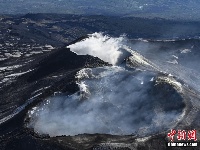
<point>182,9</point>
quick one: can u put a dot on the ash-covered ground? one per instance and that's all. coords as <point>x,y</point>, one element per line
<point>66,85</point>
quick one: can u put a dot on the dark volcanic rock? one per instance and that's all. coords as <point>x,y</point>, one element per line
<point>56,71</point>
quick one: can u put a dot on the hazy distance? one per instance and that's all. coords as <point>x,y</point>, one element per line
<point>171,9</point>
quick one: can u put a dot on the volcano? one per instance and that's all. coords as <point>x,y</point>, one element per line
<point>97,92</point>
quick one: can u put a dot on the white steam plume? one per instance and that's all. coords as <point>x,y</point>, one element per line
<point>102,46</point>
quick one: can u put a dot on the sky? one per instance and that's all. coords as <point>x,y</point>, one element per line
<point>183,9</point>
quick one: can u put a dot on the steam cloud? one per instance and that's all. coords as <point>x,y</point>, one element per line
<point>111,100</point>
<point>102,46</point>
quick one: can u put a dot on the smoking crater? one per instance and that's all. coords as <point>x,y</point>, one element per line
<point>110,100</point>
